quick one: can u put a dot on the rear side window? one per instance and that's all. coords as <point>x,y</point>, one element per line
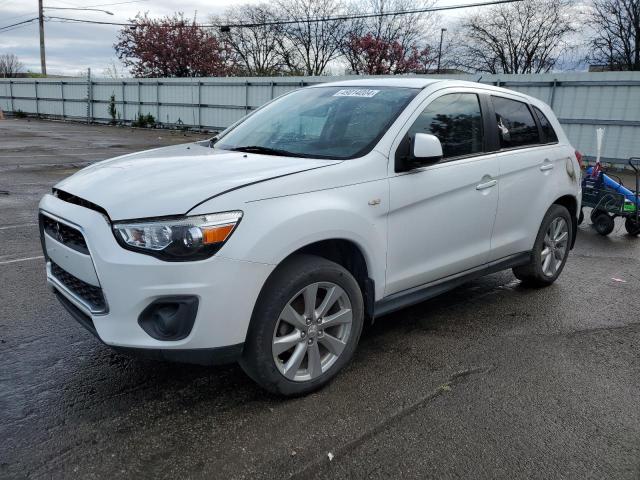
<point>548,133</point>
<point>516,125</point>
<point>456,120</point>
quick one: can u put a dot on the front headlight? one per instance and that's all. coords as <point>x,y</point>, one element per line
<point>181,239</point>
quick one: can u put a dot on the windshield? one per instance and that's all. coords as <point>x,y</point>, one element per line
<point>321,122</point>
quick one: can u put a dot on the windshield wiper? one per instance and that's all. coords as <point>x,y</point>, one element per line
<point>266,151</point>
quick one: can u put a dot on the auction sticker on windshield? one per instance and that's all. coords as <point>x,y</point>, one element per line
<point>356,92</point>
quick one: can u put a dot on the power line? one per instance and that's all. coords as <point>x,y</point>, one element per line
<point>96,22</point>
<point>288,22</point>
<point>78,6</point>
<point>370,15</point>
<point>19,23</point>
<point>69,3</point>
<point>118,3</point>
<point>20,16</point>
<point>16,28</point>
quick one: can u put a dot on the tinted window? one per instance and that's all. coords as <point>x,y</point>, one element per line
<point>516,126</point>
<point>456,120</point>
<point>322,122</point>
<point>548,133</point>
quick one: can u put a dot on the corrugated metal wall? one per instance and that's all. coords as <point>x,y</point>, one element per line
<point>582,101</point>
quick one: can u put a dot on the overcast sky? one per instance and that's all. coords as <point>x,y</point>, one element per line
<point>72,48</point>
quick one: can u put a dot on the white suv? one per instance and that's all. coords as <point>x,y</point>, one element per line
<point>274,242</point>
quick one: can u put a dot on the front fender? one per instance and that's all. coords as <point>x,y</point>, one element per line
<point>273,229</point>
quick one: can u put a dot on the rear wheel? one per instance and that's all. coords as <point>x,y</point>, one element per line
<point>550,250</point>
<point>603,223</point>
<point>305,327</point>
<point>632,226</point>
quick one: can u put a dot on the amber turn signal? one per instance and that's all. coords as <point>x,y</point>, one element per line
<point>216,234</point>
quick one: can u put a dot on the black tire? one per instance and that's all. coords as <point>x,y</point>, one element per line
<point>581,217</point>
<point>632,227</point>
<point>594,214</point>
<point>285,282</point>
<point>603,223</point>
<point>532,274</point>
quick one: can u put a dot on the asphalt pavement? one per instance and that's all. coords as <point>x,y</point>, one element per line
<point>491,380</point>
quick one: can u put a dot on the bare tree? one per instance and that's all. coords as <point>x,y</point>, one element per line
<point>407,32</point>
<point>113,71</point>
<point>522,37</point>
<point>10,66</point>
<point>308,46</point>
<point>256,47</point>
<point>406,29</point>
<point>304,37</point>
<point>615,39</point>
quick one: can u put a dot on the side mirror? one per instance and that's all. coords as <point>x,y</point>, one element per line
<point>424,149</point>
<point>427,148</point>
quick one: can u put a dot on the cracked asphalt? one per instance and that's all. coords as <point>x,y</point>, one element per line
<point>491,380</point>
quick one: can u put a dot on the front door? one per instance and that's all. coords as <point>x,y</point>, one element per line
<point>441,216</point>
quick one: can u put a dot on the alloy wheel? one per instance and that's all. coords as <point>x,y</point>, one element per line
<point>312,331</point>
<point>554,247</point>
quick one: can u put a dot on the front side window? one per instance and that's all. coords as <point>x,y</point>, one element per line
<point>456,119</point>
<point>548,133</point>
<point>516,126</point>
<point>322,122</point>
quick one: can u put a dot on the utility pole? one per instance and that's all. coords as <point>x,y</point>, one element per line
<point>442,30</point>
<point>43,61</point>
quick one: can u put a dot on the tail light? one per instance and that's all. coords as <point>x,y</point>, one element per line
<point>579,158</point>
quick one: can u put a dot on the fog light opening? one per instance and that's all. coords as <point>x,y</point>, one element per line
<point>169,318</point>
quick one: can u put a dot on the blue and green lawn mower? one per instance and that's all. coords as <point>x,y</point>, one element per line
<point>609,198</point>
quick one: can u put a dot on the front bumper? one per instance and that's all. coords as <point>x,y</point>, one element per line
<point>201,356</point>
<point>226,289</point>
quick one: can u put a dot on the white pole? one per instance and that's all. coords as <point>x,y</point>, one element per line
<point>599,137</point>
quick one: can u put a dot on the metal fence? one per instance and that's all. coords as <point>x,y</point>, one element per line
<point>582,101</point>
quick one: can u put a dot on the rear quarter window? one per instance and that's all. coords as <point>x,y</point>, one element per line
<point>516,125</point>
<point>548,133</point>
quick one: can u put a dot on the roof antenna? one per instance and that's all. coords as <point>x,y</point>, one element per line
<point>480,78</point>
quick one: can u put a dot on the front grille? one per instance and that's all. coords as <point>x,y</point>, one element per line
<point>88,293</point>
<point>64,234</point>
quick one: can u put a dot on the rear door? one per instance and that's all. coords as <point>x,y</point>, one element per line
<point>528,156</point>
<point>441,216</point>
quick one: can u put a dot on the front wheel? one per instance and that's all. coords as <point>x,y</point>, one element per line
<point>550,250</point>
<point>305,326</point>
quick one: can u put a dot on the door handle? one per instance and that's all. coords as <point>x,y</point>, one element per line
<point>483,185</point>
<point>547,165</point>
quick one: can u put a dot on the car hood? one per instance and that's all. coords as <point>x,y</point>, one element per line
<point>172,180</point>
